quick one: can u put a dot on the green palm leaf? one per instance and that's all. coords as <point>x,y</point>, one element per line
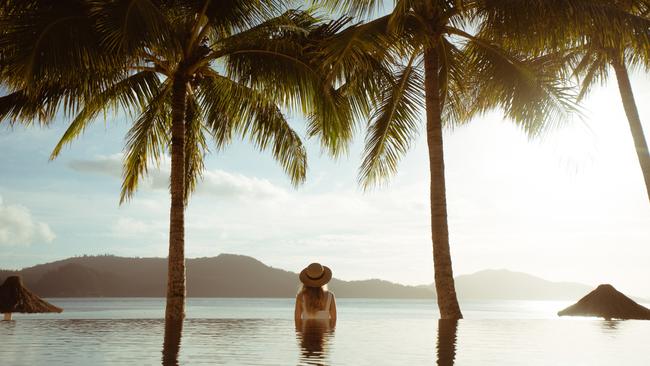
<point>254,116</point>
<point>195,146</point>
<point>146,141</point>
<point>527,90</point>
<point>131,93</point>
<point>394,126</point>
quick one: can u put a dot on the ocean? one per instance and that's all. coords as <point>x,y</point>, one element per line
<point>129,331</point>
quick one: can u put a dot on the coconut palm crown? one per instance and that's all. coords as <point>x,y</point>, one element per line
<point>605,35</point>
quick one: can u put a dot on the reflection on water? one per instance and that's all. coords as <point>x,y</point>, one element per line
<point>447,341</point>
<point>172,343</point>
<point>610,326</point>
<point>314,337</point>
<point>368,333</point>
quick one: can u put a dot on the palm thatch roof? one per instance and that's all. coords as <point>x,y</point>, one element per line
<point>607,302</point>
<point>15,298</point>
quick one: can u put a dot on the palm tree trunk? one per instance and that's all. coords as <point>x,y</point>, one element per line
<point>175,309</point>
<point>633,119</point>
<point>444,277</point>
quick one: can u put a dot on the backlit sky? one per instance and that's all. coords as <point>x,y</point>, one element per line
<point>571,206</point>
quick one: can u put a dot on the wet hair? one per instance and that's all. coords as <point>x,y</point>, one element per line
<point>314,298</point>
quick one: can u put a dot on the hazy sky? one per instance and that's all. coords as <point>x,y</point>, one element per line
<point>571,206</point>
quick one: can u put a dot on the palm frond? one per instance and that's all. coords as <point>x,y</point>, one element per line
<point>134,92</point>
<point>38,104</point>
<point>592,69</point>
<point>357,8</point>
<point>291,25</point>
<point>288,67</point>
<point>540,26</point>
<point>526,89</point>
<point>234,108</point>
<point>18,107</point>
<point>230,16</point>
<point>47,43</point>
<point>274,54</point>
<point>195,146</point>
<point>146,141</point>
<point>394,126</point>
<point>453,84</point>
<point>397,18</point>
<point>359,59</point>
<point>355,65</point>
<point>127,26</point>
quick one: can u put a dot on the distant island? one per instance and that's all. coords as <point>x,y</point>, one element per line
<point>229,275</point>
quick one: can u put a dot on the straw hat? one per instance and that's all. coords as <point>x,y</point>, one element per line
<point>315,275</point>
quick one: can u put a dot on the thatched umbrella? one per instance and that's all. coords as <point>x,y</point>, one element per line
<point>606,302</point>
<point>15,298</point>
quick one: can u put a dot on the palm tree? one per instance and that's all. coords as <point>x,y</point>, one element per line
<point>608,35</point>
<point>616,51</point>
<point>184,71</point>
<point>455,74</point>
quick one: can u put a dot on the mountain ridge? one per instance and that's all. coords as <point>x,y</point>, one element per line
<point>227,275</point>
<point>232,275</point>
<point>516,286</point>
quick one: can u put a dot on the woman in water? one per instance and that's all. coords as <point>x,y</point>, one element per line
<point>314,302</point>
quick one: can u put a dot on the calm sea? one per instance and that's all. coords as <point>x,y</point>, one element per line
<point>369,332</point>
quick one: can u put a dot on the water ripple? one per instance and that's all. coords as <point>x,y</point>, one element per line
<point>391,336</point>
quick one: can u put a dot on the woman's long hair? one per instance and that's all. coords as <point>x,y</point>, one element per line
<point>314,298</point>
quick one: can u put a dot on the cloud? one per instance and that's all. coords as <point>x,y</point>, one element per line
<point>111,165</point>
<point>216,182</point>
<point>18,227</point>
<point>223,184</point>
<point>107,165</point>
<point>129,227</point>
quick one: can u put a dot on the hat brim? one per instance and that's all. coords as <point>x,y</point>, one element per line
<point>321,281</point>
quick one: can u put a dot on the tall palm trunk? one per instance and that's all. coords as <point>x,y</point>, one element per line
<point>633,119</point>
<point>444,277</point>
<point>175,310</point>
